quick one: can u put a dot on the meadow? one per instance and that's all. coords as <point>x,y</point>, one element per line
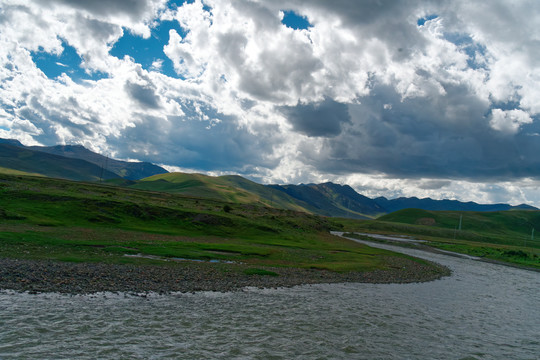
<point>506,236</point>
<point>52,219</point>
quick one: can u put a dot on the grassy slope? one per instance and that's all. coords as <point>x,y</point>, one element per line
<point>499,235</point>
<point>7,171</point>
<point>43,218</point>
<point>128,170</point>
<point>319,199</point>
<point>229,188</point>
<point>333,200</point>
<point>25,160</point>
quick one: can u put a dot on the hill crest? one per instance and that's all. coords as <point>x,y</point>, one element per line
<point>75,162</point>
<point>124,169</point>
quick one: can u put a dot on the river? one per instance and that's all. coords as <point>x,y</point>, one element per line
<point>482,311</point>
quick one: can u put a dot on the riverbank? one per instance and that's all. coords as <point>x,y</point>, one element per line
<point>37,276</point>
<point>409,242</point>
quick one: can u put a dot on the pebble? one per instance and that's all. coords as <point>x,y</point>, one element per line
<point>37,276</point>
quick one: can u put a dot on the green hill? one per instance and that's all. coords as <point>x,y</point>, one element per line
<point>197,185</point>
<point>17,172</point>
<point>230,188</point>
<point>507,236</point>
<point>130,170</point>
<point>37,162</point>
<point>324,199</point>
<point>127,170</point>
<point>331,199</point>
<point>514,224</point>
<point>44,218</point>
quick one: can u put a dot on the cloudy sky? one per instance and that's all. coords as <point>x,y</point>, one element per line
<point>395,98</point>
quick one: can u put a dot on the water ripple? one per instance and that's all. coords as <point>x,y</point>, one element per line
<point>483,311</point>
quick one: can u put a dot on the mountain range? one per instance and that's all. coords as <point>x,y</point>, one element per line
<point>73,170</point>
<point>75,162</point>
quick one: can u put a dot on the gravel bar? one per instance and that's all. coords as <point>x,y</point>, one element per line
<point>36,276</point>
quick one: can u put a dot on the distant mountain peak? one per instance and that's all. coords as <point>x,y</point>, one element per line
<point>124,169</point>
<point>12,142</point>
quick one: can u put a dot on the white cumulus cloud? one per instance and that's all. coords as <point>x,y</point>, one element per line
<point>397,97</point>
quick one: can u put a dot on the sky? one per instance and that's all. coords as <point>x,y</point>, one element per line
<point>433,99</point>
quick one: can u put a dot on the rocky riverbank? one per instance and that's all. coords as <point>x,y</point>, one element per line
<point>82,278</point>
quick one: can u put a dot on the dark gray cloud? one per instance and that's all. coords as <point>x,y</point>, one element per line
<point>386,20</point>
<point>143,94</point>
<point>260,14</point>
<point>323,119</point>
<point>381,19</point>
<point>434,184</point>
<point>133,8</point>
<point>48,118</point>
<point>189,142</point>
<point>438,136</point>
<point>278,76</point>
<point>97,30</point>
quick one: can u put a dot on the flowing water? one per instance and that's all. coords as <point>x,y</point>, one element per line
<point>483,311</point>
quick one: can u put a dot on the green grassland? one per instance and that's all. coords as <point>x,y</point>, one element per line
<point>7,171</point>
<point>323,199</point>
<point>14,159</point>
<point>228,188</point>
<point>44,218</point>
<point>501,235</point>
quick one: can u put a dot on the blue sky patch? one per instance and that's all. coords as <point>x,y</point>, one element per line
<point>295,21</point>
<point>147,51</point>
<point>466,43</point>
<point>174,4</point>
<point>507,105</point>
<point>423,20</point>
<point>68,62</point>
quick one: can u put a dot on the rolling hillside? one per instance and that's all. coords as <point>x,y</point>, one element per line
<point>328,199</point>
<point>124,169</point>
<point>449,205</point>
<point>505,227</point>
<point>324,199</point>
<point>331,199</point>
<point>502,236</point>
<point>231,188</point>
<point>25,160</point>
<point>55,219</point>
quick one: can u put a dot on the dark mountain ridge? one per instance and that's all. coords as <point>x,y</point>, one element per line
<point>124,169</point>
<point>75,162</point>
<point>342,200</point>
<point>331,199</point>
<point>37,162</point>
<point>449,205</point>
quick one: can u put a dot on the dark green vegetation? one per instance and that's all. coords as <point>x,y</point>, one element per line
<point>443,205</point>
<point>229,188</point>
<point>323,199</point>
<point>43,218</point>
<point>501,235</point>
<point>73,162</point>
<point>126,170</point>
<point>327,199</point>
<point>331,199</point>
<point>37,162</point>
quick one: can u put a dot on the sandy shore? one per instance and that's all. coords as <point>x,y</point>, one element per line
<point>81,278</point>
